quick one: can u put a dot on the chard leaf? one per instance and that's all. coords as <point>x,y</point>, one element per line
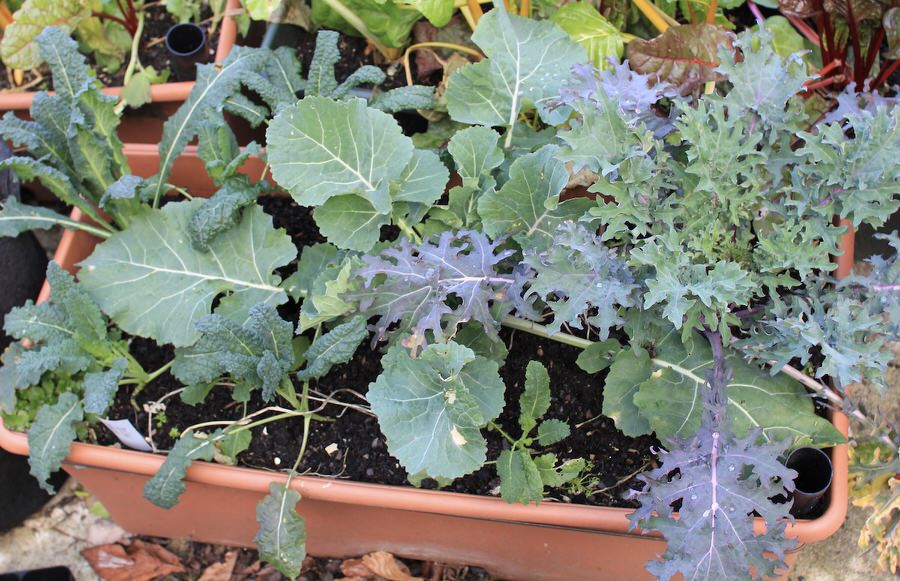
<point>475,152</point>
<point>16,218</point>
<point>584,23</point>
<point>579,273</point>
<point>22,43</point>
<point>387,21</point>
<point>333,348</point>
<point>281,539</point>
<point>214,83</point>
<point>350,222</point>
<point>685,56</point>
<point>552,431</point>
<point>51,435</point>
<point>100,387</point>
<point>320,148</point>
<point>432,408</point>
<point>152,282</point>
<point>223,210</point>
<point>526,61</point>
<point>527,207</point>
<point>535,399</point>
<point>420,281</point>
<point>168,483</point>
<point>520,479</point>
<point>257,353</point>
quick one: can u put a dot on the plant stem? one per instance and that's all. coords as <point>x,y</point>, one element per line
<point>496,426</point>
<point>135,45</point>
<point>711,11</point>
<point>407,229</point>
<point>150,377</point>
<point>542,331</point>
<point>657,17</point>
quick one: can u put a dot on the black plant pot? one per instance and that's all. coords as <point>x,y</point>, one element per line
<point>23,265</point>
<point>186,44</point>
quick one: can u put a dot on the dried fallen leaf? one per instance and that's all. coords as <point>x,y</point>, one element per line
<point>355,568</point>
<point>386,565</point>
<point>221,571</point>
<point>139,561</point>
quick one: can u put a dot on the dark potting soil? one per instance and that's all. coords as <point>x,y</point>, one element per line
<point>157,22</point>
<point>352,446</point>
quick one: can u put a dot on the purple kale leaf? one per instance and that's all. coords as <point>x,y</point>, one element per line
<point>635,94</point>
<point>851,103</point>
<point>722,482</point>
<point>436,285</point>
<point>580,279</point>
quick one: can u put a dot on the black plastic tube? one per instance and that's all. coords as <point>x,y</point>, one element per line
<point>186,44</point>
<point>814,474</point>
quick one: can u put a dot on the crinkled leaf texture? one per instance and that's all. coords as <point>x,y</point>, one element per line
<point>577,274</point>
<point>68,335</point>
<point>168,483</point>
<point>435,286</point>
<point>526,61</point>
<point>100,387</point>
<point>333,348</point>
<point>432,408</point>
<point>50,436</point>
<point>667,392</point>
<point>255,354</point>
<point>153,283</point>
<point>281,539</point>
<point>721,480</point>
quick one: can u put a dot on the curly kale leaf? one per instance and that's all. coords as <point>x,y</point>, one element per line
<point>856,176</point>
<point>435,286</point>
<point>722,482</point>
<point>581,280</point>
<point>836,323</point>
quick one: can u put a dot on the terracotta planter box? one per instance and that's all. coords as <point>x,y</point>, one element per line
<point>145,124</point>
<point>552,541</point>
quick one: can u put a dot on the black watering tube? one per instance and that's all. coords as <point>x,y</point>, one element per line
<point>186,44</point>
<point>814,475</point>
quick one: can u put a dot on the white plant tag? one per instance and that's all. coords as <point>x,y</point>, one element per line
<point>127,434</point>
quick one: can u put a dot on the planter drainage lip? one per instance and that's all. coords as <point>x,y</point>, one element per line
<point>605,519</point>
<point>161,93</point>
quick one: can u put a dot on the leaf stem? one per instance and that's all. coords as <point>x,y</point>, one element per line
<point>496,426</point>
<point>135,45</point>
<point>151,376</point>
<point>542,331</point>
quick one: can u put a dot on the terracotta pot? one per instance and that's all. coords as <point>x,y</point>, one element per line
<point>552,541</point>
<point>145,124</point>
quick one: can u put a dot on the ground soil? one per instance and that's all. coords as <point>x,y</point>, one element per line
<point>352,446</point>
<point>153,53</point>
